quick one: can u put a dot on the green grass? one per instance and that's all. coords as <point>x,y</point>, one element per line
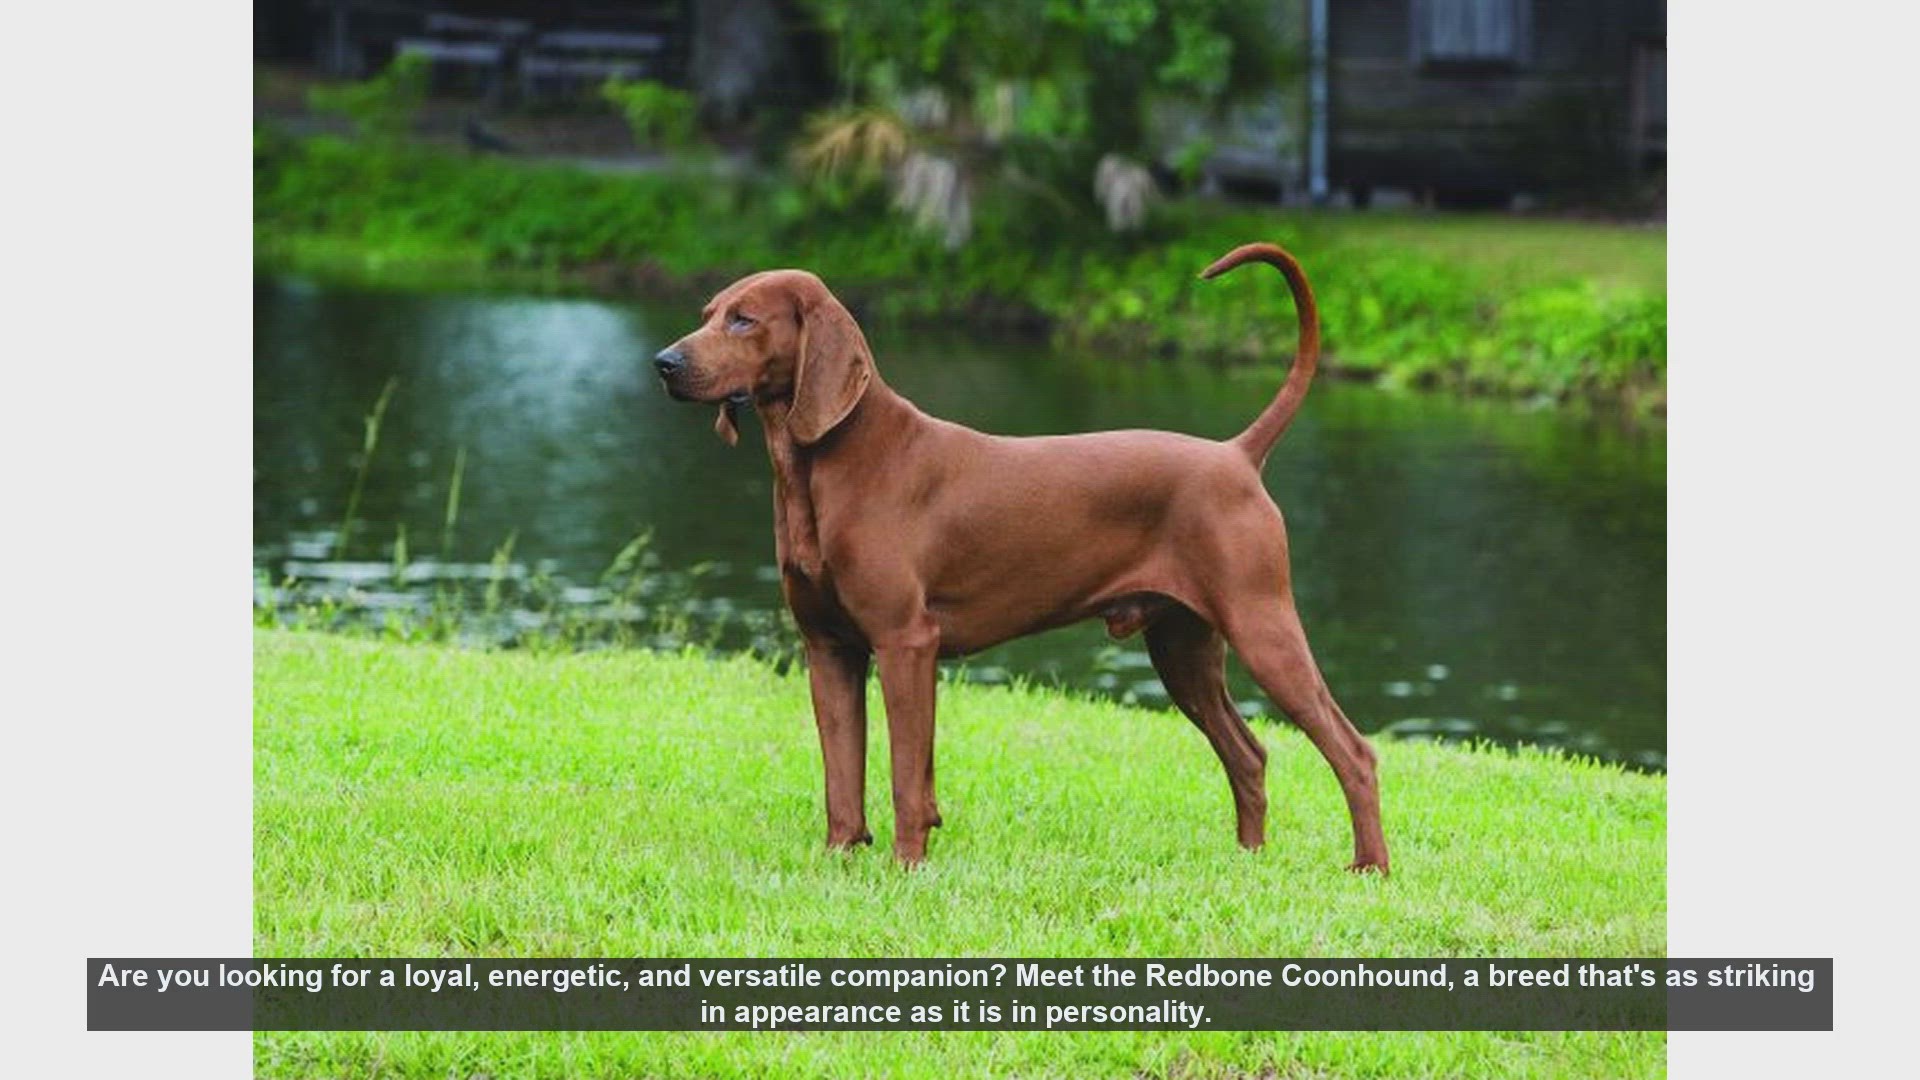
<point>1523,249</point>
<point>1481,302</point>
<point>414,800</point>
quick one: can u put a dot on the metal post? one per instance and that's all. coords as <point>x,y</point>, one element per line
<point>1317,102</point>
<point>337,40</point>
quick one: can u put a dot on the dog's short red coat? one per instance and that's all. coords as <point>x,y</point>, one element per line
<point>903,537</point>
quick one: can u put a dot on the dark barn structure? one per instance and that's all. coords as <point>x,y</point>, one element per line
<point>1470,102</point>
<point>524,55</point>
<point>503,45</point>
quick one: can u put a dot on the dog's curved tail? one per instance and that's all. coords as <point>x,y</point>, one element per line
<point>1266,428</point>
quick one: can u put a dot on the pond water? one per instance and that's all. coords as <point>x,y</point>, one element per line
<point>1465,569</point>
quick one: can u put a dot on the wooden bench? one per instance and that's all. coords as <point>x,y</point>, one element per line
<point>562,62</point>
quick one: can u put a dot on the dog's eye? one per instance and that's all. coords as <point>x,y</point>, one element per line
<point>739,324</point>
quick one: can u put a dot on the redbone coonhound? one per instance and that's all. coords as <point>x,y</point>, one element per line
<point>906,538</point>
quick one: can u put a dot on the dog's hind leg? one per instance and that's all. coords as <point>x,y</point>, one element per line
<point>1191,659</point>
<point>1269,638</point>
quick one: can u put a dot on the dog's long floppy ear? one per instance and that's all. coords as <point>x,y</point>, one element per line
<point>834,368</point>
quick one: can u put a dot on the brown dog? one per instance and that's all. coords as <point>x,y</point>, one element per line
<point>907,538</point>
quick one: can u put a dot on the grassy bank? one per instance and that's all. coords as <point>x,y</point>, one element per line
<point>428,801</point>
<point>1481,302</point>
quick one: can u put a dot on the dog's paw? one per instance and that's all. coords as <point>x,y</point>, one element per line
<point>1368,866</point>
<point>849,841</point>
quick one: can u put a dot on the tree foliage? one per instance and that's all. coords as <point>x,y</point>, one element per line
<point>1047,101</point>
<point>1085,69</point>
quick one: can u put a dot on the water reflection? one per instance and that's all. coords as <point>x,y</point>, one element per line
<point>1465,569</point>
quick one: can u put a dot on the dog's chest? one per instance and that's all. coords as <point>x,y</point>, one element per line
<point>815,604</point>
<point>805,578</point>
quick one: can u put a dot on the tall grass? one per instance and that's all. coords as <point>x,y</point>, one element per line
<point>369,442</point>
<point>632,602</point>
<point>450,520</point>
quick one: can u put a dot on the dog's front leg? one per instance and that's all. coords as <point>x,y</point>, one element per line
<point>838,674</point>
<point>908,673</point>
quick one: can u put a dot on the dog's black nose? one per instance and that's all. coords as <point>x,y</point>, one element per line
<point>669,361</point>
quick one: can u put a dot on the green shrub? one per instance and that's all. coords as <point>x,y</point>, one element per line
<point>659,116</point>
<point>382,108</point>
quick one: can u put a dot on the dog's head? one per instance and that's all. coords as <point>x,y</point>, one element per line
<point>775,336</point>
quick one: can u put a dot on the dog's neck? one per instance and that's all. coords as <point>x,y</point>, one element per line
<point>796,529</point>
<point>796,536</point>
